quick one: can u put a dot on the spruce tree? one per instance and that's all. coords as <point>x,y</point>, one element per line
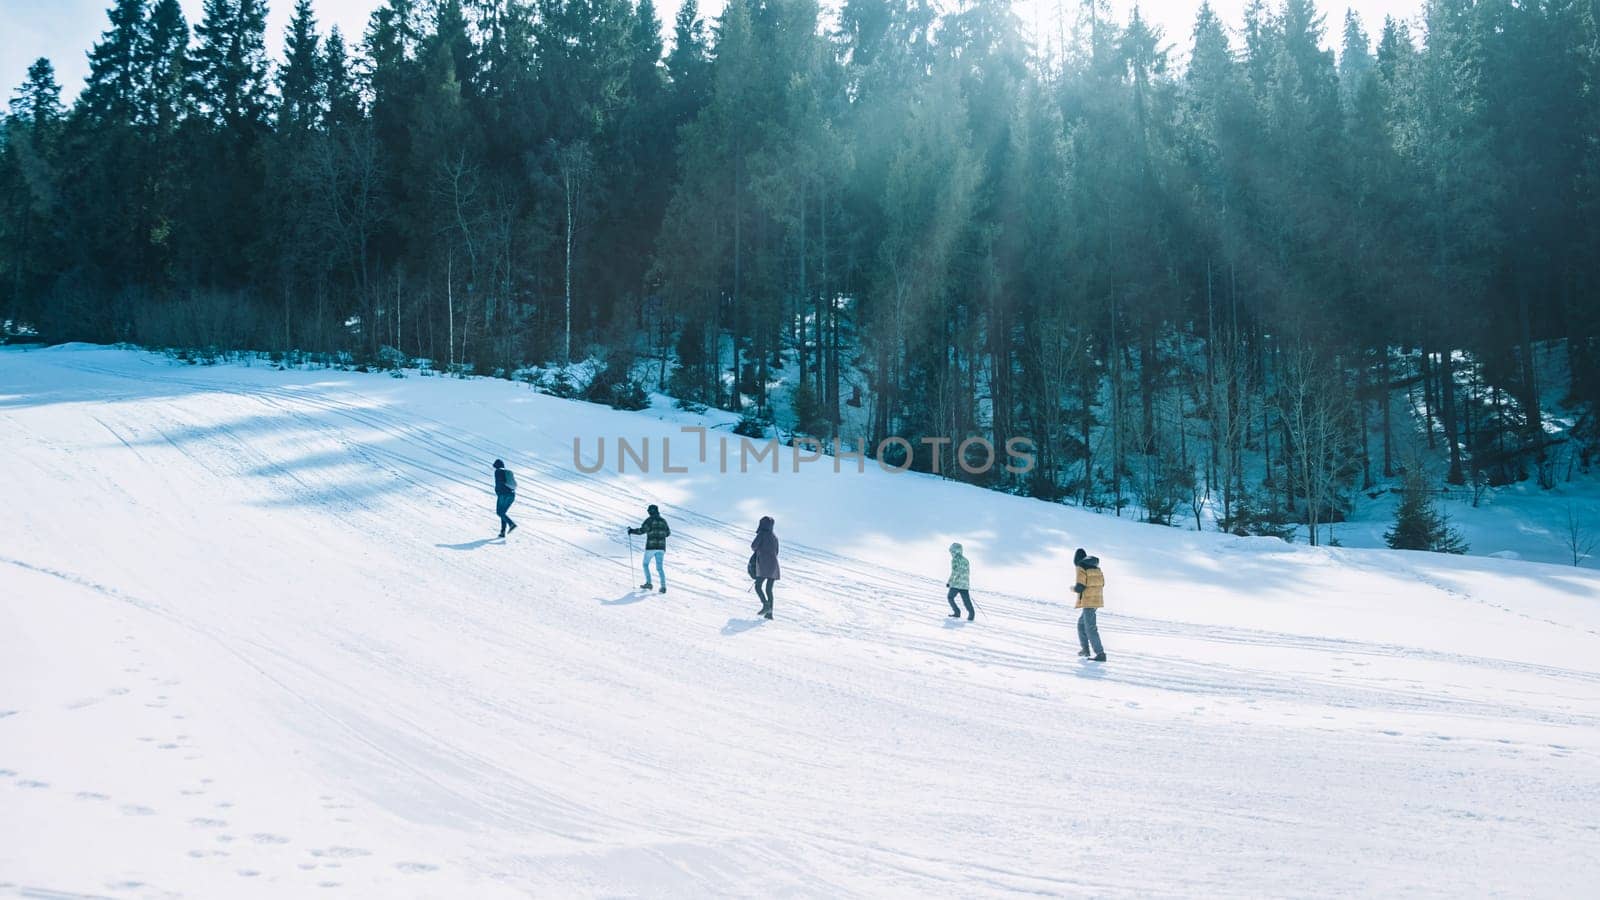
<point>300,100</point>
<point>229,67</point>
<point>110,94</point>
<point>1419,524</point>
<point>689,63</point>
<point>341,102</point>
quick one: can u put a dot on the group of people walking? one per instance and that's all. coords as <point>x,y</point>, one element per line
<point>764,572</point>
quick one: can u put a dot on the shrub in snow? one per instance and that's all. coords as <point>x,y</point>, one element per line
<point>392,361</point>
<point>1419,524</point>
<point>615,386</point>
<point>808,412</point>
<point>751,426</point>
<point>1251,519</point>
<point>555,382</point>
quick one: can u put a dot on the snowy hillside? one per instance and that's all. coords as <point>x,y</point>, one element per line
<point>257,639</point>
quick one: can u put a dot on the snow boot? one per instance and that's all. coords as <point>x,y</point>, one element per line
<point>646,586</point>
<point>1101,657</point>
<point>663,589</point>
<point>970,617</point>
<point>767,615</point>
<point>955,615</point>
<point>1084,653</point>
<point>513,527</point>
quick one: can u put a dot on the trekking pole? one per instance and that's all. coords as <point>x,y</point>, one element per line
<point>630,552</point>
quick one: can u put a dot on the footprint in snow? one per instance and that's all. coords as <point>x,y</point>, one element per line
<point>30,783</point>
<point>133,809</point>
<point>248,873</point>
<point>342,852</point>
<point>415,868</point>
<point>208,823</point>
<point>7,713</point>
<point>269,838</point>
<point>91,795</point>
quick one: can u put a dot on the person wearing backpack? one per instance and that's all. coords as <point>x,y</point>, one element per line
<point>763,566</point>
<point>655,531</point>
<point>505,494</point>
<point>1091,591</point>
<point>959,582</point>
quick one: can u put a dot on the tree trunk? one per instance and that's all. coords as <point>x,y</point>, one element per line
<point>1388,418</point>
<point>1447,406</point>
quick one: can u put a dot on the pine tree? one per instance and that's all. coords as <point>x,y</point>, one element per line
<point>29,194</point>
<point>110,94</point>
<point>1355,55</point>
<point>299,79</point>
<point>229,67</point>
<point>1419,524</point>
<point>226,186</point>
<point>339,97</point>
<point>164,107</point>
<point>689,63</point>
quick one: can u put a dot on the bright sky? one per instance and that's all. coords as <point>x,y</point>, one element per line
<point>64,30</point>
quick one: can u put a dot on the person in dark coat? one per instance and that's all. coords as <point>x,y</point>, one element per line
<point>505,494</point>
<point>655,531</point>
<point>764,564</point>
<point>1091,591</point>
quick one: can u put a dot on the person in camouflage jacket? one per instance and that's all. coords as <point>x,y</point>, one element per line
<point>959,582</point>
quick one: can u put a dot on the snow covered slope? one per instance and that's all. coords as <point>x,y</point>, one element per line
<point>256,640</point>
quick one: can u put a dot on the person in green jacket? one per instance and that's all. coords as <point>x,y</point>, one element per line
<point>959,582</point>
<point>655,531</point>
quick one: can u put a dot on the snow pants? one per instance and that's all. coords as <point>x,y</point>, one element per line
<point>766,597</point>
<point>965,598</point>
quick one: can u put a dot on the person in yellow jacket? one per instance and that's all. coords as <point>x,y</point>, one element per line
<point>1091,591</point>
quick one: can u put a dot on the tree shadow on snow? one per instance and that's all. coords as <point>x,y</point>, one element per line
<point>469,545</point>
<point>740,626</point>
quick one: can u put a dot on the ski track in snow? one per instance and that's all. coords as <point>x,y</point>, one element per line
<point>256,639</point>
